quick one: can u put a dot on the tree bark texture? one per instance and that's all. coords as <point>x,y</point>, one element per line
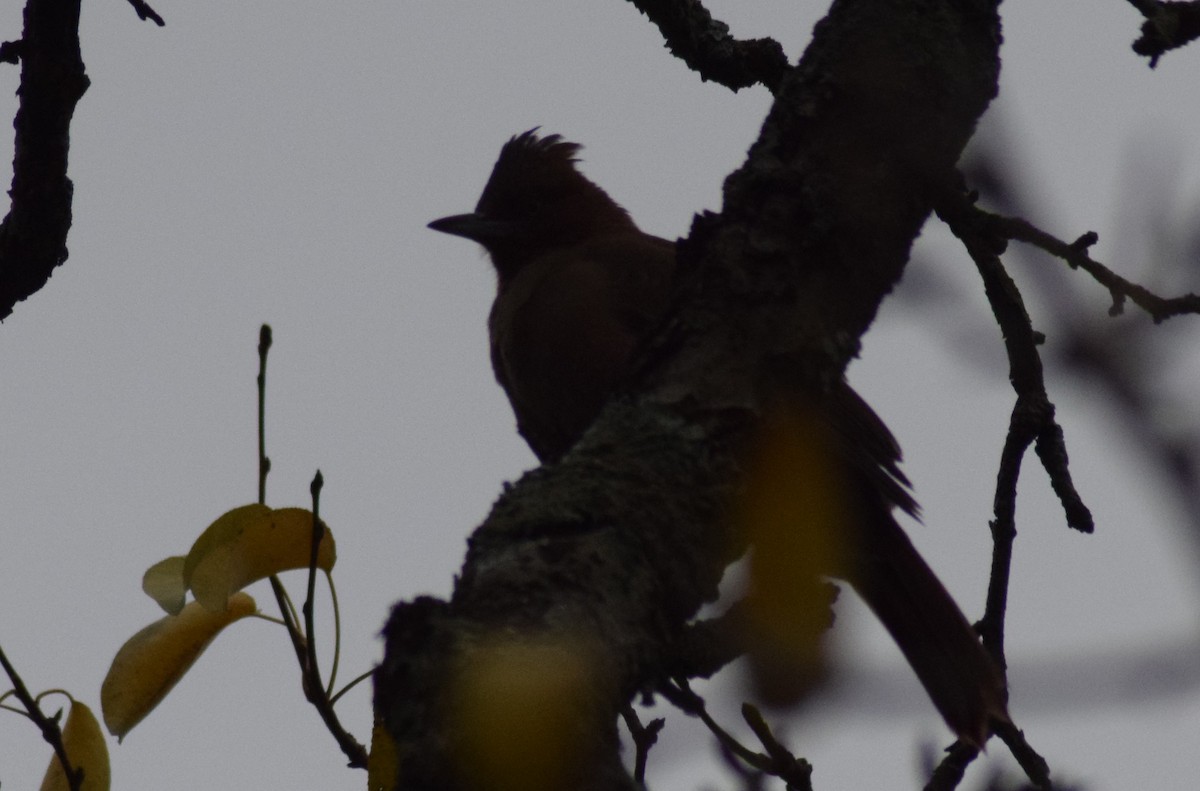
<point>597,563</point>
<point>33,237</point>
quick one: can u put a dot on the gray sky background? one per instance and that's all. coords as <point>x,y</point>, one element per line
<point>277,161</point>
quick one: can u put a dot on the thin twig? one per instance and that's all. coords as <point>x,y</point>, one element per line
<point>1033,764</point>
<point>778,761</point>
<point>337,635</point>
<point>318,532</point>
<point>304,643</point>
<point>644,737</point>
<point>48,725</point>
<point>144,11</point>
<point>978,234</point>
<point>950,771</point>
<point>287,610</point>
<point>1076,255</point>
<point>289,619</point>
<point>314,689</point>
<point>796,772</point>
<point>1004,531</point>
<point>264,461</point>
<point>1032,422</point>
<point>353,683</point>
<point>679,693</point>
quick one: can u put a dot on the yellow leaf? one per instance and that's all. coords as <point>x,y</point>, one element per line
<point>795,514</point>
<point>249,544</point>
<point>383,763</point>
<point>516,710</point>
<point>153,660</point>
<point>163,582</point>
<point>86,750</point>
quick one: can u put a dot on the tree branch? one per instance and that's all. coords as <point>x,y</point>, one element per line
<point>144,12</point>
<point>33,237</point>
<point>1076,255</point>
<point>49,727</point>
<point>604,556</point>
<point>1169,25</point>
<point>1020,342</point>
<point>704,44</point>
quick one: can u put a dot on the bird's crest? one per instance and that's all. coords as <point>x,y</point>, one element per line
<point>527,150</point>
<point>535,180</point>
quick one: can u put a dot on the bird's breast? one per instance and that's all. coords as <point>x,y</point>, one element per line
<point>559,348</point>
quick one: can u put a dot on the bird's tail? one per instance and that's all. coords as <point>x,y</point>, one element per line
<point>940,644</point>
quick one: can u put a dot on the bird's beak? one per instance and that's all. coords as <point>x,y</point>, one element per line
<point>474,226</point>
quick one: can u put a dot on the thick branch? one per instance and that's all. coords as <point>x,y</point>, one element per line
<point>33,237</point>
<point>606,554</point>
<point>704,44</point>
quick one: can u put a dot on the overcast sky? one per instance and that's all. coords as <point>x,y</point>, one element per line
<point>277,161</point>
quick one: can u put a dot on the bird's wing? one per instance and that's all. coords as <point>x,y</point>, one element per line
<point>642,267</point>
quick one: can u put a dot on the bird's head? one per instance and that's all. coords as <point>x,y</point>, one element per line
<point>534,201</point>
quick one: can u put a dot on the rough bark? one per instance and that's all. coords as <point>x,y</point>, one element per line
<point>607,554</point>
<point>33,237</point>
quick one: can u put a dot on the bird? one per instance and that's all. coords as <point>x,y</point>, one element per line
<point>580,287</point>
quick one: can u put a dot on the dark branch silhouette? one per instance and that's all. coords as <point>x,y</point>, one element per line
<point>609,551</point>
<point>33,237</point>
<point>704,44</point>
<point>1169,25</point>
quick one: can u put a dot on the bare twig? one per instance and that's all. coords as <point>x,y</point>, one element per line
<point>978,233</point>
<point>312,669</point>
<point>1021,433</point>
<point>264,461</point>
<point>644,737</point>
<point>796,772</point>
<point>949,773</point>
<point>48,725</point>
<point>303,643</point>
<point>1076,255</point>
<point>778,761</point>
<point>679,693</point>
<point>1032,423</point>
<point>1034,765</point>
<point>144,11</point>
<point>1125,361</point>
